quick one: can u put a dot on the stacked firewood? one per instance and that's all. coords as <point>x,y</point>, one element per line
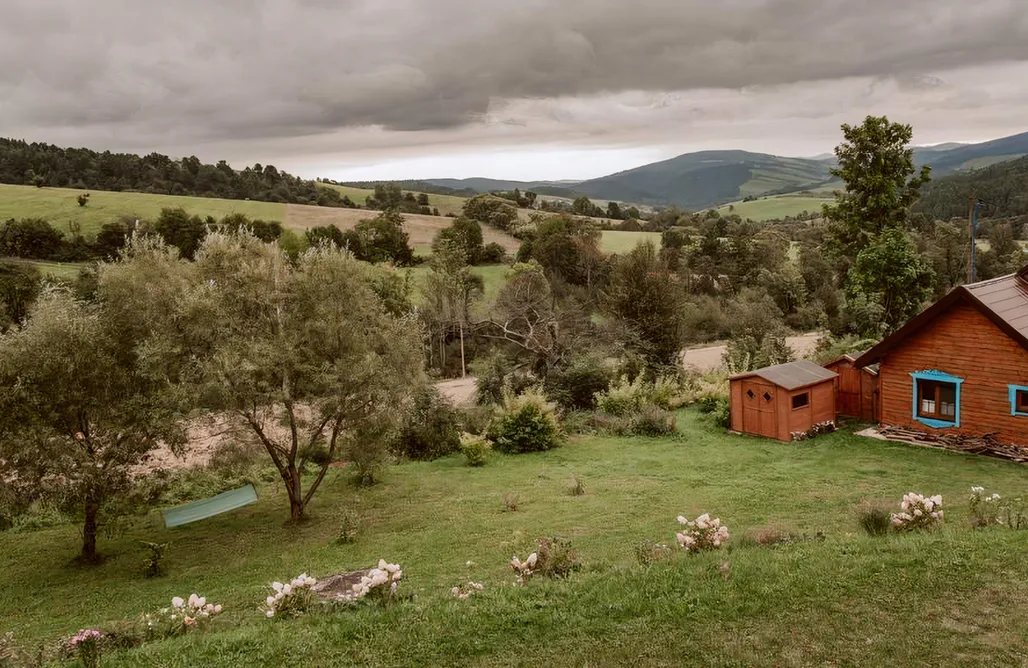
<point>986,444</point>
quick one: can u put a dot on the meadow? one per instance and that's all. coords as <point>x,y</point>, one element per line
<point>446,204</point>
<point>775,206</point>
<point>953,597</point>
<point>615,241</point>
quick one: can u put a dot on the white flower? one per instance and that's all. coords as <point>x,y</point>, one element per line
<point>287,589</point>
<point>271,600</point>
<point>277,586</point>
<point>177,602</point>
<point>269,613</point>
<point>682,520</point>
<point>532,559</point>
<point>937,499</point>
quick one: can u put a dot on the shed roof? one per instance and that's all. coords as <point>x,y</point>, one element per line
<point>1002,300</point>
<point>791,375</point>
<point>853,357</point>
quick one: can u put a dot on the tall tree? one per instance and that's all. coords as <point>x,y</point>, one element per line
<point>449,291</point>
<point>893,275</point>
<point>876,163</point>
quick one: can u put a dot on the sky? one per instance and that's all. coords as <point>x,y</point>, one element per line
<point>528,90</point>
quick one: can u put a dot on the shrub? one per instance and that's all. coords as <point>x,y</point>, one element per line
<point>648,552</point>
<point>526,423</point>
<point>496,374</point>
<point>83,199</point>
<point>702,533</point>
<point>719,409</point>
<point>511,502</point>
<point>918,513</point>
<point>554,558</point>
<point>666,393</point>
<point>349,528</point>
<point>576,386</point>
<point>654,421</point>
<point>430,430</point>
<point>984,507</point>
<point>493,253</point>
<point>292,599</point>
<point>86,645</point>
<point>183,616</point>
<point>153,562</point>
<point>475,449</point>
<point>380,584</point>
<point>874,519</point>
<point>624,398</point>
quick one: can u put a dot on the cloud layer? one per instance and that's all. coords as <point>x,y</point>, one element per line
<point>320,76</point>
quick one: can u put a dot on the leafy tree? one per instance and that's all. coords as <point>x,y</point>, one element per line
<point>380,239</point>
<point>19,288</point>
<point>583,206</point>
<point>649,300</point>
<point>890,273</point>
<point>110,240</point>
<point>565,247</point>
<point>83,199</point>
<point>81,406</point>
<point>308,345</point>
<point>449,291</point>
<point>32,238</point>
<point>463,235</point>
<point>492,211</point>
<point>325,234</point>
<point>180,230</point>
<point>614,211</point>
<point>877,165</point>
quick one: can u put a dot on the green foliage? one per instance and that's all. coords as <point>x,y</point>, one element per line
<point>556,558</point>
<point>891,274</point>
<point>32,238</point>
<point>624,398</point>
<point>475,449</point>
<point>526,423</point>
<point>493,211</point>
<point>877,165</point>
<point>496,372</point>
<point>153,562</point>
<point>83,199</point>
<point>746,352</point>
<point>349,527</point>
<point>463,236</point>
<point>575,386</point>
<point>380,239</point>
<point>721,412</point>
<point>19,288</point>
<point>430,428</point>
<point>181,230</point>
<point>654,421</point>
<point>565,247</point>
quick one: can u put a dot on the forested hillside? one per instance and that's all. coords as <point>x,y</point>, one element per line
<point>1004,187</point>
<point>22,163</point>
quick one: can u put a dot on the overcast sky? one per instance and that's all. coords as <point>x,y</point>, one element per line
<point>534,89</point>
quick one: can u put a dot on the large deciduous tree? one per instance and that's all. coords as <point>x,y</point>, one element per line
<point>305,354</point>
<point>893,275</point>
<point>81,406</point>
<point>877,165</point>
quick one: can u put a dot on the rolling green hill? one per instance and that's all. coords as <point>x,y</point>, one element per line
<point>1004,186</point>
<point>774,207</point>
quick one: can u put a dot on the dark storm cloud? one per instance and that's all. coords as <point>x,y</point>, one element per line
<point>191,71</point>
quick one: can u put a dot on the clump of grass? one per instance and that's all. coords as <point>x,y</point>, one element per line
<point>511,502</point>
<point>648,553</point>
<point>874,518</point>
<point>577,488</point>
<point>349,528</point>
<point>557,559</point>
<point>153,562</point>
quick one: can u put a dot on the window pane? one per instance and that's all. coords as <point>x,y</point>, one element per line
<point>1022,401</point>
<point>937,400</point>
<point>801,400</point>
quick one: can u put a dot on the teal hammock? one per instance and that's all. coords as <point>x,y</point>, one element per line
<point>204,508</point>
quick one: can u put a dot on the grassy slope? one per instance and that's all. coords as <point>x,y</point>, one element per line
<point>59,206</point>
<point>953,598</point>
<point>493,277</point>
<point>445,203</point>
<point>614,241</point>
<point>773,207</point>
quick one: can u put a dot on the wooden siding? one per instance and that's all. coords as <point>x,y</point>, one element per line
<point>856,391</point>
<point>966,344</point>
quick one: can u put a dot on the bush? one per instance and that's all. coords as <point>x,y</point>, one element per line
<point>918,513</point>
<point>554,558</point>
<point>623,399</point>
<point>430,430</point>
<point>702,533</point>
<point>153,562</point>
<point>648,553</point>
<point>349,528</point>
<point>526,423</point>
<point>874,519</point>
<point>654,421</point>
<point>495,374</point>
<point>493,253</point>
<point>576,386</point>
<point>474,448</point>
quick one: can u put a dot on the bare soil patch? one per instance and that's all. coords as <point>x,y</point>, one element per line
<point>709,358</point>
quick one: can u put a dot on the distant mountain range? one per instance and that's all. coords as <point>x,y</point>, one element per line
<point>710,178</point>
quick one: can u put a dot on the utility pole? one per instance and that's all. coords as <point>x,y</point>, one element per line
<point>976,205</point>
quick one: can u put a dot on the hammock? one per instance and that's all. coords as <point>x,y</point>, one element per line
<point>204,508</point>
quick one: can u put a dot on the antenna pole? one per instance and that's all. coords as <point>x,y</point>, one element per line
<point>976,206</point>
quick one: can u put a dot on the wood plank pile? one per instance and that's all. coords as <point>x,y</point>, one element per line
<point>986,444</point>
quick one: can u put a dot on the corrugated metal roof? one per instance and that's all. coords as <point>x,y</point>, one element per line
<point>791,375</point>
<point>1002,300</point>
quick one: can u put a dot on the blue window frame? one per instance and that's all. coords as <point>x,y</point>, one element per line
<point>936,399</point>
<point>1018,399</point>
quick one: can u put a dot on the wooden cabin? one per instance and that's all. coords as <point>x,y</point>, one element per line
<point>782,400</point>
<point>856,390</point>
<point>961,366</point>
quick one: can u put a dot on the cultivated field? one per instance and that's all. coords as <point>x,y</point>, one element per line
<point>614,241</point>
<point>957,597</point>
<point>776,206</point>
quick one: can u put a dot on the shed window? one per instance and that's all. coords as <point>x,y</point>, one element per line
<point>937,399</point>
<point>1018,399</point>
<point>801,400</point>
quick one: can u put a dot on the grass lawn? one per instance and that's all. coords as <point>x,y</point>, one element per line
<point>60,208</point>
<point>493,276</point>
<point>955,597</point>
<point>778,206</point>
<point>615,241</point>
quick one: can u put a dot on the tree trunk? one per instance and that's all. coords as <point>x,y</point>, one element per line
<point>463,368</point>
<point>89,554</point>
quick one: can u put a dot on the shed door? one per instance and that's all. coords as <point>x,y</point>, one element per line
<point>758,415</point>
<point>868,397</point>
<point>849,390</point>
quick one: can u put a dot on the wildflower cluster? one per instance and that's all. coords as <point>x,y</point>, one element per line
<point>380,582</point>
<point>918,512</point>
<point>524,569</point>
<point>466,590</point>
<point>183,616</point>
<point>702,533</point>
<point>291,599</point>
<point>985,508</point>
<point>86,643</point>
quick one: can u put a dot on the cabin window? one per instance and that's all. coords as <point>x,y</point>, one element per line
<point>937,399</point>
<point>801,400</point>
<point>1018,399</point>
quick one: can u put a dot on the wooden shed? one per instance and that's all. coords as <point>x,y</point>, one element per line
<point>856,389</point>
<point>778,401</point>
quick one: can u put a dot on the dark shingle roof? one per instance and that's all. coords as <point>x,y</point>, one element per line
<point>1002,300</point>
<point>792,375</point>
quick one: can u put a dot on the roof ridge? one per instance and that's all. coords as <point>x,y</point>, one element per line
<point>992,280</point>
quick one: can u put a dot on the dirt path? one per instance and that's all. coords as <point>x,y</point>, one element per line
<point>459,391</point>
<point>709,359</point>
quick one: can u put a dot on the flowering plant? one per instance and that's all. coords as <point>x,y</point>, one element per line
<point>86,643</point>
<point>702,533</point>
<point>918,512</point>
<point>291,599</point>
<point>524,569</point>
<point>466,590</point>
<point>985,508</point>
<point>183,616</point>
<point>380,582</point>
